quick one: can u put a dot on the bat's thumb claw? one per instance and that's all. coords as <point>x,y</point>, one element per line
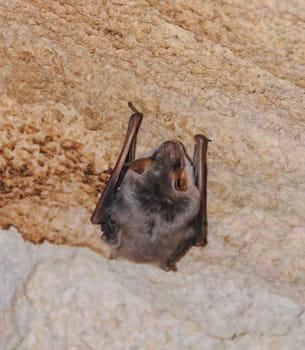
<point>133,108</point>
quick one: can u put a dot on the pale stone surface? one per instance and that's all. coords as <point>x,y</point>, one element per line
<point>232,70</point>
<point>71,298</point>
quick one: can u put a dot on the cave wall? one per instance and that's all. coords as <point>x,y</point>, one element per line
<point>229,69</point>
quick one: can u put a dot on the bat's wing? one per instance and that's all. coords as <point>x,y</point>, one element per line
<point>200,174</point>
<point>127,155</point>
<point>200,222</point>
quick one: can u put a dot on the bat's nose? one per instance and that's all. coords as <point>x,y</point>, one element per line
<point>173,151</point>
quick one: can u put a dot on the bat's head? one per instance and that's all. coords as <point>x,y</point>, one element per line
<point>171,161</point>
<point>167,170</point>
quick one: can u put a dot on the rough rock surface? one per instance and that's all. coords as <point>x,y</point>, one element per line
<point>72,298</point>
<point>232,70</point>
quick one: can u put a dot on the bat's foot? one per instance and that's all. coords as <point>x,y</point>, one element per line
<point>201,242</point>
<point>170,263</point>
<point>168,266</point>
<point>110,229</point>
<point>109,240</point>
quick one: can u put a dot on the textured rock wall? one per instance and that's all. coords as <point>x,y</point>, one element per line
<point>232,70</point>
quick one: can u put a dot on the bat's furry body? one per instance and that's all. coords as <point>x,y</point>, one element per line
<point>149,217</point>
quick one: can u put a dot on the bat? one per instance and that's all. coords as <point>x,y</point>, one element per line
<point>153,209</point>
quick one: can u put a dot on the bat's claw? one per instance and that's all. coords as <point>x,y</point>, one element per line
<point>201,242</point>
<point>167,266</point>
<point>133,108</point>
<point>109,240</point>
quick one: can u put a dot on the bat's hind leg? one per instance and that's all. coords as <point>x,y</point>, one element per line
<point>110,229</point>
<point>170,263</point>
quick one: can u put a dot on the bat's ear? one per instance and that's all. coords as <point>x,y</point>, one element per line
<point>180,176</point>
<point>140,165</point>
